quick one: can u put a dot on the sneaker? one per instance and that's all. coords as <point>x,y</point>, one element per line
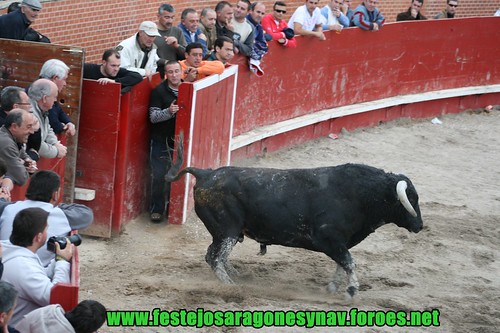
<point>155,217</point>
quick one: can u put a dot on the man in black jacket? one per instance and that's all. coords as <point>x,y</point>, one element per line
<point>162,110</point>
<point>413,13</point>
<point>110,71</point>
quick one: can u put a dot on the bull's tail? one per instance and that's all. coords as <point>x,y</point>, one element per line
<point>173,173</point>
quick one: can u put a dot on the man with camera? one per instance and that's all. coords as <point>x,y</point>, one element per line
<point>43,192</point>
<point>22,266</point>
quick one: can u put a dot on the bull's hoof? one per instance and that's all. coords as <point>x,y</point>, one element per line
<point>332,287</point>
<point>231,271</point>
<point>351,292</point>
<point>223,277</point>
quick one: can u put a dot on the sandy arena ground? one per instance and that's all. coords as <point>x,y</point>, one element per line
<point>451,265</point>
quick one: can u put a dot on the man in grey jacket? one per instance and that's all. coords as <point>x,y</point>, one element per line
<point>23,268</point>
<point>13,135</point>
<point>43,94</point>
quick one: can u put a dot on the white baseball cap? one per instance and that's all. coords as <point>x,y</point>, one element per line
<point>149,28</point>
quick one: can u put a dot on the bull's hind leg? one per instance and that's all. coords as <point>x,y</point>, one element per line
<point>217,257</point>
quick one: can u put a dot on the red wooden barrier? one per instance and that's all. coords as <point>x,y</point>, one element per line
<point>431,67</point>
<point>357,66</point>
<point>206,118</point>
<point>113,153</point>
<point>66,294</point>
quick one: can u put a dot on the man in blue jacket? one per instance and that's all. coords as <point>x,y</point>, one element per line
<point>15,25</point>
<point>367,16</point>
<point>192,33</point>
<point>257,12</point>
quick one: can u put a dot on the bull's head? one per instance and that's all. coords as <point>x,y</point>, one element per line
<point>413,222</point>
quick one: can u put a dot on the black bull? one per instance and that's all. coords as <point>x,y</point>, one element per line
<point>327,210</point>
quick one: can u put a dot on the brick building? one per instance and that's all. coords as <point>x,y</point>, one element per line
<point>99,24</point>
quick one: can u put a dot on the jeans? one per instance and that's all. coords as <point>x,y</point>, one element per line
<point>160,161</point>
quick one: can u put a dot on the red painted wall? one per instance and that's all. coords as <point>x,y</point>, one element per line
<point>113,153</point>
<point>402,58</point>
<point>205,118</point>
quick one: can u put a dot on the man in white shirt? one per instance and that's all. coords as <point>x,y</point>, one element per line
<point>307,20</point>
<point>334,18</point>
<point>243,31</point>
<point>138,53</point>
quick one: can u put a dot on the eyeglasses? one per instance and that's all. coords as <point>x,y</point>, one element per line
<point>23,103</point>
<point>280,11</point>
<point>452,5</point>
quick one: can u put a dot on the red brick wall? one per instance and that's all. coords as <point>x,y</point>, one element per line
<point>99,24</point>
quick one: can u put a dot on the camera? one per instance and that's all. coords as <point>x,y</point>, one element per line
<point>73,239</point>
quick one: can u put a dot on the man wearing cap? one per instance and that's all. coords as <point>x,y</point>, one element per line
<point>138,53</point>
<point>15,25</point>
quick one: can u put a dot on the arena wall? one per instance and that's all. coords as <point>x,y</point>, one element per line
<point>404,63</point>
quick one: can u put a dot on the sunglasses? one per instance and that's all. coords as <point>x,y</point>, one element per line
<point>452,5</point>
<point>280,11</point>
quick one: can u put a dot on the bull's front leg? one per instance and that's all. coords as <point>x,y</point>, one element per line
<point>352,279</point>
<point>344,262</point>
<point>231,271</point>
<point>333,286</point>
<point>219,252</point>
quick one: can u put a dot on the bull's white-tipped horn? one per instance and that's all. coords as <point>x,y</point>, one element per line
<point>403,198</point>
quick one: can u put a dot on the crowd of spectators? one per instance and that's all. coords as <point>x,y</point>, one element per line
<point>32,125</point>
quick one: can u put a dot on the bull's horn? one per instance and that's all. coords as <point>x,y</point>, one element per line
<point>403,198</point>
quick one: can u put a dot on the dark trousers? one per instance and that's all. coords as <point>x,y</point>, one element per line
<point>160,161</point>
